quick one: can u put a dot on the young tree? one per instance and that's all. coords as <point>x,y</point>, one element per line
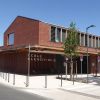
<point>70,45</point>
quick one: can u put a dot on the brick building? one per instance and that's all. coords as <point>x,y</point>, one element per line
<point>35,46</point>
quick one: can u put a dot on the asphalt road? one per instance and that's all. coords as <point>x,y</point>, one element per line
<point>9,93</point>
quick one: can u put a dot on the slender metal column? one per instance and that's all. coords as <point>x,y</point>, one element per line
<point>56,34</point>
<point>98,42</point>
<point>61,36</point>
<point>84,39</point>
<point>80,40</point>
<point>28,74</point>
<point>95,43</point>
<point>91,41</point>
<point>87,53</point>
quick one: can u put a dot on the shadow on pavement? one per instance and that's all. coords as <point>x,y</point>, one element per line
<point>92,79</point>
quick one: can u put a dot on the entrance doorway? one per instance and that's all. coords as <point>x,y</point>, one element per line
<point>84,65</point>
<point>60,64</point>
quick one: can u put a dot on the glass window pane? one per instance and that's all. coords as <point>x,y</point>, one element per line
<point>96,42</point>
<point>82,40</point>
<point>53,34</point>
<point>63,35</point>
<point>89,41</point>
<point>58,39</point>
<point>99,43</point>
<point>85,40</point>
<point>11,39</point>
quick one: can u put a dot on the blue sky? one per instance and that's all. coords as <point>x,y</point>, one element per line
<point>60,12</point>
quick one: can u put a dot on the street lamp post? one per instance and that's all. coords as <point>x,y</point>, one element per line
<point>88,46</point>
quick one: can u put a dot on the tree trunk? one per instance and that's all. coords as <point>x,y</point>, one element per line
<point>71,65</point>
<point>66,70</point>
<point>76,69</point>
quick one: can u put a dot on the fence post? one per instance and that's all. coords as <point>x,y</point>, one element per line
<point>61,79</point>
<point>14,79</point>
<point>8,76</point>
<point>45,81</point>
<point>28,69</point>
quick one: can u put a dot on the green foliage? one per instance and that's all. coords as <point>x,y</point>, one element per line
<point>72,41</point>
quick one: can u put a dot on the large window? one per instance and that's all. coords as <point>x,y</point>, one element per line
<point>99,43</point>
<point>82,40</point>
<point>63,35</point>
<point>53,34</point>
<point>96,42</point>
<point>86,40</point>
<point>58,39</point>
<point>57,34</point>
<point>11,39</point>
<point>90,45</point>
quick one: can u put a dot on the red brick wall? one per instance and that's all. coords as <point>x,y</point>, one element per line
<point>44,36</point>
<point>25,31</point>
<point>28,31</point>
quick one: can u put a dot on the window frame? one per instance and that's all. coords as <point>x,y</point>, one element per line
<point>10,39</point>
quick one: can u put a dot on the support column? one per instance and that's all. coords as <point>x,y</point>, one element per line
<point>80,40</point>
<point>91,41</point>
<point>61,35</point>
<point>28,69</point>
<point>95,42</point>
<point>66,33</point>
<point>56,34</point>
<point>84,39</point>
<point>98,42</point>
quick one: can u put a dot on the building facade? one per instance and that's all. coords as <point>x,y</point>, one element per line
<point>35,46</point>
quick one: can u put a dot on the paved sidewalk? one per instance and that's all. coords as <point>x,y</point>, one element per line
<point>78,91</point>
